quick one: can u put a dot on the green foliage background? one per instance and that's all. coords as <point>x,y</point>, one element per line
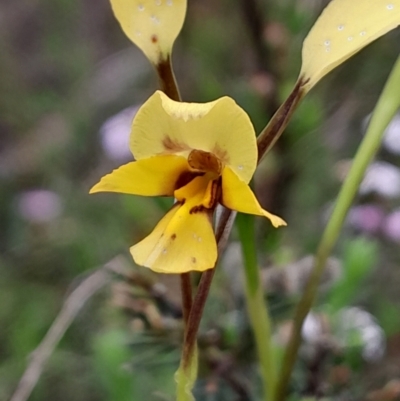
<point>65,67</point>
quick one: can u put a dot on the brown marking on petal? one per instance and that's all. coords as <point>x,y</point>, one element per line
<point>185,177</point>
<point>173,237</point>
<point>154,38</point>
<point>204,161</point>
<point>215,194</point>
<point>197,209</point>
<point>221,153</point>
<point>194,260</point>
<point>172,146</point>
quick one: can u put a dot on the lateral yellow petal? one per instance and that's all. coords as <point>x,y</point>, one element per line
<point>155,176</point>
<point>344,28</point>
<point>181,242</point>
<point>220,127</point>
<point>237,195</point>
<point>152,25</point>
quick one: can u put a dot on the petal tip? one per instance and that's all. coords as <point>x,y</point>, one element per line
<point>94,189</point>
<point>275,220</point>
<point>278,222</point>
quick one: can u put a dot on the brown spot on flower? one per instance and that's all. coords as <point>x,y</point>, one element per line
<point>194,260</point>
<point>173,237</point>
<point>154,38</point>
<point>197,209</point>
<point>172,146</point>
<point>204,161</point>
<point>215,194</point>
<point>221,154</point>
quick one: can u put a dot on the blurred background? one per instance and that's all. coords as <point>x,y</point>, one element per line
<point>70,84</point>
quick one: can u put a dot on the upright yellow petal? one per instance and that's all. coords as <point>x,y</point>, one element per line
<point>237,195</point>
<point>220,127</point>
<point>181,242</point>
<point>155,176</point>
<point>152,25</point>
<point>344,28</point>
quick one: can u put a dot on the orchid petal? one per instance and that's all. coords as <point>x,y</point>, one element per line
<point>155,176</point>
<point>237,195</point>
<point>343,29</point>
<point>181,242</point>
<point>152,25</point>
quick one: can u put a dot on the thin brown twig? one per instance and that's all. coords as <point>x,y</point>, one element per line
<point>71,307</point>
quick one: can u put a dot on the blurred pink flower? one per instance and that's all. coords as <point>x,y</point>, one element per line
<point>391,226</point>
<point>39,205</point>
<point>115,133</point>
<point>391,140</point>
<point>367,218</point>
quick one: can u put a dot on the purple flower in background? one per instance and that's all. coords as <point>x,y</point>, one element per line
<point>391,226</point>
<point>115,133</point>
<point>366,218</point>
<point>39,205</point>
<point>391,140</point>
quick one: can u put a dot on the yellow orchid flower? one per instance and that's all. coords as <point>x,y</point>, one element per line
<point>152,25</point>
<point>202,155</point>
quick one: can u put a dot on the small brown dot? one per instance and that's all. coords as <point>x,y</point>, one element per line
<point>194,260</point>
<point>154,38</point>
<point>173,236</point>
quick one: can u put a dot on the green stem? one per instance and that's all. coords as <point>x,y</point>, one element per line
<point>387,106</point>
<point>185,377</point>
<point>256,304</point>
<point>187,372</point>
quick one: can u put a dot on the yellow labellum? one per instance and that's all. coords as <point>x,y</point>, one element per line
<point>344,28</point>
<point>152,25</point>
<point>184,239</point>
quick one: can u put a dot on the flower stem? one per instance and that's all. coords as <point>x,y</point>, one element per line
<point>387,106</point>
<point>274,129</point>
<point>167,79</point>
<point>186,375</point>
<point>169,86</point>
<point>265,141</point>
<point>256,304</point>
<point>186,290</point>
<point>223,229</point>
